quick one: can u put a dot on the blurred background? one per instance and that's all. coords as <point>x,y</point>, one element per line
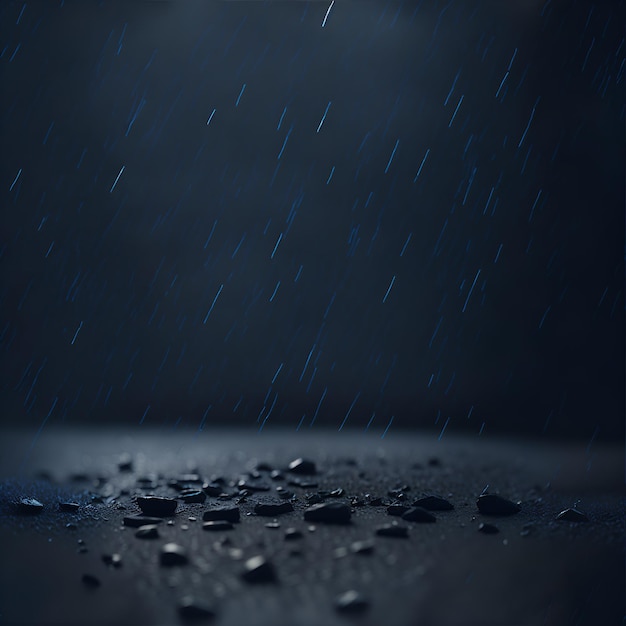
<point>366,214</point>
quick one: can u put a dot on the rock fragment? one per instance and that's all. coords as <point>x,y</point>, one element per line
<point>328,513</point>
<point>149,531</point>
<point>418,514</point>
<point>157,506</point>
<point>491,504</point>
<point>572,515</point>
<point>29,506</point>
<point>135,521</point>
<point>351,602</point>
<point>302,466</point>
<point>173,554</point>
<point>259,570</point>
<point>433,503</point>
<point>226,513</point>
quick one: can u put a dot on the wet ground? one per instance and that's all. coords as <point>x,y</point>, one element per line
<point>88,566</point>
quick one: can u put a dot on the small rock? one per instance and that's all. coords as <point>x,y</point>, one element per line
<point>329,513</point>
<point>351,602</point>
<point>284,494</point>
<point>375,501</point>
<point>125,463</point>
<point>302,483</point>
<point>69,507</point>
<point>362,547</point>
<point>273,525</point>
<point>263,467</point>
<point>173,554</point>
<point>418,514</point>
<point>340,552</point>
<point>249,485</point>
<point>217,525</point>
<point>259,570</point>
<point>190,610</point>
<point>277,475</point>
<point>157,506</point>
<point>91,581</point>
<point>302,466</point>
<point>135,521</point>
<point>71,526</point>
<point>29,506</point>
<point>190,478</point>
<point>572,515</point>
<point>113,560</point>
<point>491,504</point>
<point>227,513</point>
<point>488,529</point>
<point>149,531</point>
<point>397,509</point>
<point>434,503</point>
<point>272,509</point>
<point>336,493</point>
<point>293,533</point>
<point>392,530</point>
<point>194,496</point>
<point>313,498</point>
<point>212,489</point>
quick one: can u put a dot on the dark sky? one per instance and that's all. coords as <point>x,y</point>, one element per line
<point>227,211</point>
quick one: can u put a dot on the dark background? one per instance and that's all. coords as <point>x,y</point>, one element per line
<point>506,310</point>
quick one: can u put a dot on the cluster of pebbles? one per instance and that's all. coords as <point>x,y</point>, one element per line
<point>292,491</point>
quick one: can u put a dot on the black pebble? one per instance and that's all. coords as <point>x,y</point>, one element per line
<point>329,513</point>
<point>351,602</point>
<point>71,526</point>
<point>259,570</point>
<point>263,467</point>
<point>149,531</point>
<point>69,507</point>
<point>113,560</point>
<point>190,478</point>
<point>490,504</point>
<point>91,581</point>
<point>375,501</point>
<point>194,496</point>
<point>227,513</point>
<point>251,486</point>
<point>434,503</point>
<point>336,493</point>
<point>417,514</point>
<point>155,505</point>
<point>488,529</point>
<point>572,515</point>
<point>217,525</point>
<point>397,509</point>
<point>284,494</point>
<point>212,489</point>
<point>271,509</point>
<point>362,547</point>
<point>313,498</point>
<point>277,475</point>
<point>125,463</point>
<point>391,530</point>
<point>29,506</point>
<point>293,533</point>
<point>303,484</point>
<point>173,554</point>
<point>302,466</point>
<point>191,610</point>
<point>135,521</point>
<point>273,525</point>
